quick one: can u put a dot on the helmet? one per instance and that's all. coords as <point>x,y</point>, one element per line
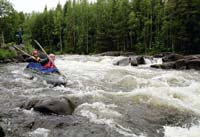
<point>35,52</point>
<point>51,55</point>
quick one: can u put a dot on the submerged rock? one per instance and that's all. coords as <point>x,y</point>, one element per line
<point>121,61</point>
<point>150,119</point>
<point>60,106</point>
<point>2,134</point>
<point>136,60</point>
<point>168,65</point>
<point>172,57</point>
<point>125,61</point>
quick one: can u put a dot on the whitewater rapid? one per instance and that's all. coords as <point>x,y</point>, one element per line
<point>114,96</point>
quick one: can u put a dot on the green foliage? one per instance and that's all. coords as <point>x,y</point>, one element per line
<point>141,26</point>
<point>6,53</point>
<point>28,47</point>
<point>5,8</point>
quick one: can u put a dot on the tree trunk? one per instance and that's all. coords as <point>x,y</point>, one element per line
<point>151,29</point>
<point>131,39</point>
<point>61,43</point>
<point>2,41</point>
<point>87,50</point>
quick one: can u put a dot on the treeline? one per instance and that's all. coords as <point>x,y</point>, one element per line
<point>141,26</point>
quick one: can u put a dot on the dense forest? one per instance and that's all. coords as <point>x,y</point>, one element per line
<point>83,27</point>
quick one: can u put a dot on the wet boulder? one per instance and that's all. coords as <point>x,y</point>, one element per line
<point>191,57</point>
<point>168,65</point>
<point>133,61</point>
<point>60,106</point>
<point>185,62</point>
<point>136,60</point>
<point>180,64</point>
<point>116,53</point>
<point>127,53</point>
<point>194,64</point>
<point>2,134</point>
<point>121,61</point>
<point>140,60</point>
<point>151,118</point>
<point>172,57</point>
<point>29,104</point>
<point>110,53</point>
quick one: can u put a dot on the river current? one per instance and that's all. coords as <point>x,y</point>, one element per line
<point>111,101</point>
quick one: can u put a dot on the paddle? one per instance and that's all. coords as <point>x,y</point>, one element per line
<point>47,55</point>
<point>22,51</point>
<point>25,53</point>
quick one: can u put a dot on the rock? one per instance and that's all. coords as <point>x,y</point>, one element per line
<point>19,58</point>
<point>60,106</point>
<point>140,60</point>
<point>116,53</point>
<point>7,60</point>
<point>110,53</point>
<point>57,106</point>
<point>189,62</point>
<point>180,64</point>
<point>30,104</point>
<point>133,61</point>
<point>172,57</point>
<point>2,134</point>
<point>194,64</point>
<point>156,66</point>
<point>191,57</point>
<point>136,60</point>
<point>151,118</point>
<point>127,54</point>
<point>121,61</point>
<point>168,65</point>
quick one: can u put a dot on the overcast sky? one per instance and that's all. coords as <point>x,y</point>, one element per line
<point>34,5</point>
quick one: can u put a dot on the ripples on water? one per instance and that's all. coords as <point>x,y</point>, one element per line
<point>127,101</point>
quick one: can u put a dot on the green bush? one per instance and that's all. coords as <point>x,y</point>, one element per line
<point>6,53</point>
<point>28,48</point>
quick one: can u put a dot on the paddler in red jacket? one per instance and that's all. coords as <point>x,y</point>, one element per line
<point>49,61</point>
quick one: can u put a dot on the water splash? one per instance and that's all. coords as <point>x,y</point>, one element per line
<point>182,131</point>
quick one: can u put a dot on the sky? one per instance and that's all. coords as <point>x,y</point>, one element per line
<point>27,6</point>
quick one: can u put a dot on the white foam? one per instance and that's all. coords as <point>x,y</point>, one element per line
<point>40,132</point>
<point>101,113</point>
<point>101,108</point>
<point>29,112</point>
<point>182,132</point>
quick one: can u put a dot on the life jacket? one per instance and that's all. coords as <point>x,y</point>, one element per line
<point>49,64</point>
<point>37,59</point>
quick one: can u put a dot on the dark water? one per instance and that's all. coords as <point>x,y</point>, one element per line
<point>111,101</point>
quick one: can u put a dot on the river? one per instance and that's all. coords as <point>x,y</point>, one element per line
<point>111,101</point>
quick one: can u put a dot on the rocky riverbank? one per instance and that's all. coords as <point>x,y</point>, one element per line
<point>179,62</point>
<point>10,54</point>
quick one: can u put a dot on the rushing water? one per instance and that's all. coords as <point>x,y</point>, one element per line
<point>111,101</point>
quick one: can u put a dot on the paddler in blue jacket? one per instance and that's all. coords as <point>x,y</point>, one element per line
<point>34,58</point>
<point>34,61</point>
